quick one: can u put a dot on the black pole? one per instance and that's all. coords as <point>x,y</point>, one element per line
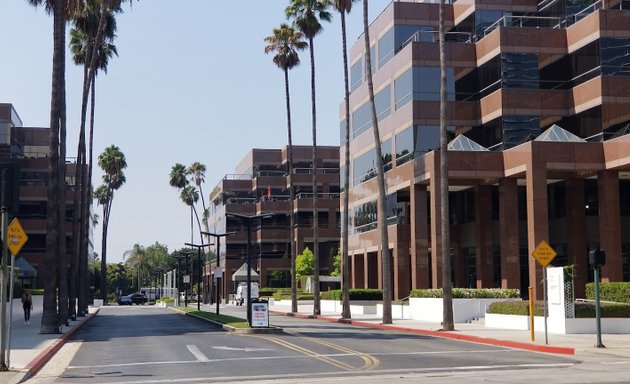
<point>216,279</point>
<point>249,272</point>
<point>186,284</point>
<point>198,277</point>
<point>178,279</point>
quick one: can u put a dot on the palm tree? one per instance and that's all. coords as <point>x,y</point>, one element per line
<point>190,196</point>
<point>306,15</point>
<point>343,7</point>
<point>380,180</point>
<point>178,176</point>
<point>447,287</point>
<point>286,42</point>
<point>81,45</point>
<point>55,249</point>
<point>112,161</point>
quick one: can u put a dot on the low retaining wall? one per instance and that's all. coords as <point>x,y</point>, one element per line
<point>464,310</point>
<point>558,326</point>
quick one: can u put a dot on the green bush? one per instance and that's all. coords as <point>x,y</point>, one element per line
<point>466,293</point>
<point>617,292</point>
<point>37,292</point>
<point>285,294</point>
<point>267,292</point>
<point>355,294</point>
<point>516,308</point>
<point>167,300</point>
<point>607,310</point>
<point>582,310</point>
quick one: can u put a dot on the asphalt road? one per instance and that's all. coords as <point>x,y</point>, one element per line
<point>155,345</point>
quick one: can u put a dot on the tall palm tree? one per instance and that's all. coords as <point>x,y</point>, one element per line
<point>82,38</point>
<point>343,7</point>
<point>190,196</point>
<point>306,15</point>
<point>112,161</point>
<point>177,177</point>
<point>286,42</point>
<point>380,180</point>
<point>55,248</point>
<point>447,287</point>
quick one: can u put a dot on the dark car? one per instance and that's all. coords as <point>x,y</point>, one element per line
<point>134,298</point>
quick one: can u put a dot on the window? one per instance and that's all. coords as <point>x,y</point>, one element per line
<point>518,129</point>
<point>404,146</point>
<point>364,217</point>
<point>615,56</point>
<point>386,48</point>
<point>362,117</point>
<point>519,70</point>
<point>372,61</point>
<point>403,89</point>
<point>363,167</point>
<point>386,154</point>
<point>402,33</point>
<point>426,84</point>
<point>383,102</point>
<point>356,75</point>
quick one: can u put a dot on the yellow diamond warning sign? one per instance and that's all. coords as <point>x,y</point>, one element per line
<point>16,236</point>
<point>544,253</point>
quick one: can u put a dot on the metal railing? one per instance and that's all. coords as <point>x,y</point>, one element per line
<point>523,22</point>
<point>325,196</point>
<point>453,37</point>
<point>320,171</point>
<point>241,200</point>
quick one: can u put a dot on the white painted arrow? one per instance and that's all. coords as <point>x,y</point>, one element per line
<point>241,349</point>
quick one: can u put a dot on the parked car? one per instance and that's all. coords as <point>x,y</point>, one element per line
<point>241,293</point>
<point>134,298</point>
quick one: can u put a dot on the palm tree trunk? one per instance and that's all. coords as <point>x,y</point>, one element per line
<point>447,288</point>
<point>77,224</point>
<point>104,256</point>
<point>316,298</point>
<point>50,321</point>
<point>294,305</point>
<point>63,255</point>
<point>87,202</point>
<point>380,179</point>
<point>345,259</point>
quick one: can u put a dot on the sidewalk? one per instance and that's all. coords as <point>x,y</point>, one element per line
<point>30,350</point>
<point>580,345</point>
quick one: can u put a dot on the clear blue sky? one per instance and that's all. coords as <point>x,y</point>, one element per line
<point>192,83</point>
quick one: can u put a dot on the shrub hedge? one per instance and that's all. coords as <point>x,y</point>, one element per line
<point>582,310</point>
<point>618,292</point>
<point>466,293</point>
<point>355,294</point>
<point>285,294</point>
<point>267,292</point>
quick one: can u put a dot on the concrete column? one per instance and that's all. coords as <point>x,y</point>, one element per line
<point>419,237</point>
<point>366,269</point>
<point>576,233</point>
<point>436,222</point>
<point>402,271</point>
<point>537,220</point>
<point>508,227</point>
<point>610,224</point>
<point>483,237</point>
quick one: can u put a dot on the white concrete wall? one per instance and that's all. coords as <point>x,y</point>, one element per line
<point>428,309</point>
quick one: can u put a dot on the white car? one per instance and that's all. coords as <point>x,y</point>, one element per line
<point>241,293</point>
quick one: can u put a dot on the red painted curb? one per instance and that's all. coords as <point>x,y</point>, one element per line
<point>38,362</point>
<point>442,334</point>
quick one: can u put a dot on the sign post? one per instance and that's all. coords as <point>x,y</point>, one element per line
<point>16,240</point>
<point>544,254</point>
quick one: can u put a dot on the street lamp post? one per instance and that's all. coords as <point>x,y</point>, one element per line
<point>218,237</point>
<point>247,220</point>
<point>185,255</point>
<point>198,246</point>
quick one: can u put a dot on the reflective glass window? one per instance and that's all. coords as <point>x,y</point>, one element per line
<point>426,84</point>
<point>404,32</point>
<point>363,217</point>
<point>356,75</point>
<point>615,56</point>
<point>363,167</point>
<point>386,154</point>
<point>518,129</point>
<point>519,70</point>
<point>383,102</point>
<point>427,138</point>
<point>386,48</point>
<point>404,146</point>
<point>361,120</point>
<point>403,89</point>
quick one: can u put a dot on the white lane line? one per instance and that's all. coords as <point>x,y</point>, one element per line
<point>197,353</point>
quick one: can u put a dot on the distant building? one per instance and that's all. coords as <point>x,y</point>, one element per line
<point>260,185</point>
<point>27,149</point>
<point>539,112</point>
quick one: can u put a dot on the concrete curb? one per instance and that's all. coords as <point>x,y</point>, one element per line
<point>38,362</point>
<point>442,334</point>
